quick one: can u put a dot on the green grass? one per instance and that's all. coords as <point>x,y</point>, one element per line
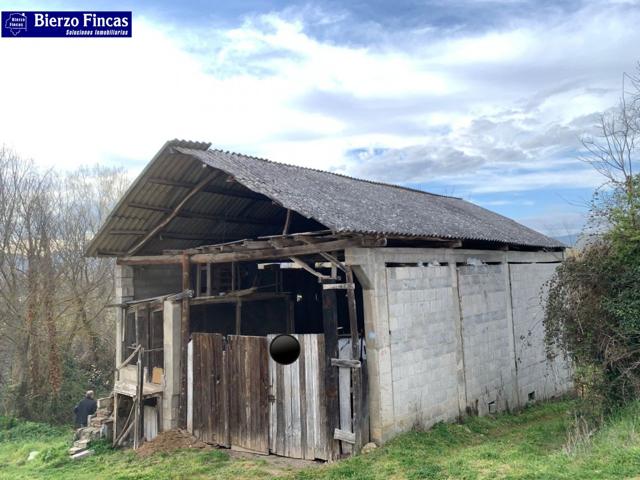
<point>525,445</point>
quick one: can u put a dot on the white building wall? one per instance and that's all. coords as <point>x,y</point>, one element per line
<point>537,375</point>
<point>443,340</point>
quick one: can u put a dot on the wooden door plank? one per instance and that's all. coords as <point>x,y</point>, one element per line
<point>302,394</point>
<point>345,392</point>
<point>249,403</point>
<point>330,327</point>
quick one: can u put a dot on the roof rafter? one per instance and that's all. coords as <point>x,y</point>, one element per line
<point>204,216</point>
<point>210,189</point>
<point>199,186</point>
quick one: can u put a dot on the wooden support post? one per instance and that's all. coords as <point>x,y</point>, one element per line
<point>287,222</point>
<point>115,419</point>
<point>233,276</point>
<point>209,279</point>
<point>238,316</point>
<point>184,339</point>
<point>330,327</point>
<point>198,290</point>
<point>356,373</point>
<point>137,417</point>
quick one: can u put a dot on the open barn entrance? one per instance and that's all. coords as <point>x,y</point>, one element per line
<point>265,298</point>
<point>237,396</point>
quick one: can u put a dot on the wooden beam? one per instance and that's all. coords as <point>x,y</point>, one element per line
<point>185,236</point>
<point>127,232</point>
<point>248,256</point>
<point>338,286</point>
<point>333,260</point>
<point>345,363</point>
<point>184,339</point>
<point>203,183</point>
<point>129,358</point>
<point>287,222</point>
<point>171,183</point>
<point>306,267</point>
<point>137,427</point>
<point>211,189</point>
<point>204,216</point>
<point>344,436</point>
<point>252,297</point>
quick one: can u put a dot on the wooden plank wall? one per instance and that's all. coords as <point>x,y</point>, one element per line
<point>248,361</point>
<point>298,403</point>
<point>210,401</point>
<point>243,399</point>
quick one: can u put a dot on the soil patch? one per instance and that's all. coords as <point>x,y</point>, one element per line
<point>169,441</point>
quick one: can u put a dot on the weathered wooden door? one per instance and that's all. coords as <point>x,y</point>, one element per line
<point>210,400</point>
<point>298,403</point>
<point>248,379</point>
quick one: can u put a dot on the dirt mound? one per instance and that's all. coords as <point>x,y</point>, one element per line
<point>169,441</point>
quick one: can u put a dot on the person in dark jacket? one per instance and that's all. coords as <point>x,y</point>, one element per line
<point>87,406</point>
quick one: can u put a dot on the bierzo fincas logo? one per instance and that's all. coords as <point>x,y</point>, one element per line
<point>66,24</point>
<point>16,23</point>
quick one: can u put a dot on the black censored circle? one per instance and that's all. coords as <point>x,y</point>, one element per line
<point>284,349</point>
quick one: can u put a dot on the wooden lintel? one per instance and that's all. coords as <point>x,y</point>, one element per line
<point>345,363</point>
<point>246,256</point>
<point>338,286</point>
<point>344,436</point>
<point>203,183</point>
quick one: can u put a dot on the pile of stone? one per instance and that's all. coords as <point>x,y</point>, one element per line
<point>99,426</point>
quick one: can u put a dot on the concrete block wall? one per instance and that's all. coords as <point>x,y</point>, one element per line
<point>487,338</point>
<point>123,293</point>
<point>443,338</point>
<point>423,346</point>
<point>538,375</point>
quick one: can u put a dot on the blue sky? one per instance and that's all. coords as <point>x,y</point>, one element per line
<point>484,100</point>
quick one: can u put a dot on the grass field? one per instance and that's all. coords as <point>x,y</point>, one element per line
<point>527,445</point>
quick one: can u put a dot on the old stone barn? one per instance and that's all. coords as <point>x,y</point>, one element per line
<point>410,308</point>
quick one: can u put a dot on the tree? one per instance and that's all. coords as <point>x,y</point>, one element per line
<point>593,308</point>
<point>55,324</point>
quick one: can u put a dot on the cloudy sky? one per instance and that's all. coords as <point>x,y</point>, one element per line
<point>484,100</point>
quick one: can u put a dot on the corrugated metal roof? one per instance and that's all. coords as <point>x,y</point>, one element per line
<point>346,204</point>
<point>338,202</point>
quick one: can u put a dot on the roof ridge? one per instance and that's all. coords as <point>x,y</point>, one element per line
<point>373,182</point>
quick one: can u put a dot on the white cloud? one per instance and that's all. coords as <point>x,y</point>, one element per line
<point>492,111</point>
